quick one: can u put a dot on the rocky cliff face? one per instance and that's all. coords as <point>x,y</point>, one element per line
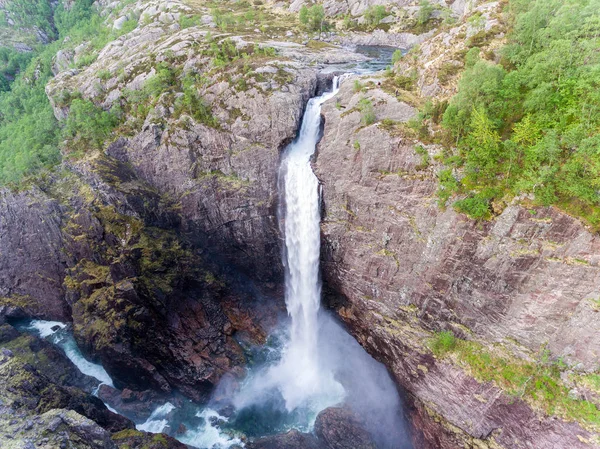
<point>43,402</point>
<point>165,244</point>
<point>402,268</point>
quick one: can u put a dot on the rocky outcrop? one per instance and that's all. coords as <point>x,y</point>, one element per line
<point>32,261</point>
<point>290,440</point>
<point>41,394</point>
<point>401,268</point>
<point>339,428</point>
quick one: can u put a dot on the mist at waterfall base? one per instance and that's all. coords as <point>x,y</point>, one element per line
<point>311,362</point>
<point>320,365</point>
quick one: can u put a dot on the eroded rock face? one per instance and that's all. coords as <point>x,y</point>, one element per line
<point>402,267</point>
<point>38,383</point>
<point>339,428</point>
<point>32,263</point>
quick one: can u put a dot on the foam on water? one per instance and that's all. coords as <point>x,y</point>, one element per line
<point>157,421</point>
<point>66,341</point>
<point>208,435</point>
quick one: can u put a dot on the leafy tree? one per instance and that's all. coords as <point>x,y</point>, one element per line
<point>313,18</point>
<point>532,124</point>
<point>425,11</point>
<point>88,124</point>
<point>375,14</point>
<point>365,106</point>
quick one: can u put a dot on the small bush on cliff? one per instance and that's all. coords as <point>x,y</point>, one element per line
<point>89,125</point>
<point>313,18</point>
<point>374,15</point>
<point>443,342</point>
<point>367,112</point>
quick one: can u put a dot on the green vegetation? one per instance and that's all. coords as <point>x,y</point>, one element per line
<point>531,123</point>
<point>442,343</point>
<point>397,56</point>
<point>29,133</point>
<point>425,11</point>
<point>374,15</point>
<point>367,112</point>
<point>89,125</point>
<point>313,18</point>
<point>32,13</point>
<point>539,383</point>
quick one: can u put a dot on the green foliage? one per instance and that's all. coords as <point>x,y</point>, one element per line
<point>425,12</point>
<point>313,18</point>
<point>29,133</point>
<point>397,56</point>
<point>472,57</point>
<point>539,383</point>
<point>532,124</point>
<point>367,112</point>
<point>192,104</point>
<point>357,86</point>
<point>443,342</point>
<point>187,21</point>
<point>447,71</point>
<point>32,13</point>
<point>425,159</point>
<point>89,125</point>
<point>12,62</point>
<point>374,15</point>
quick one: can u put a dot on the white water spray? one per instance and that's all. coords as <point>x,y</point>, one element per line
<point>66,341</point>
<point>300,377</point>
<point>303,376</point>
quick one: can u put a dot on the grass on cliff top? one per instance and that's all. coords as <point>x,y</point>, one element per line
<point>539,383</point>
<point>242,17</point>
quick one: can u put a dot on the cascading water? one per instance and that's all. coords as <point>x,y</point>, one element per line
<point>300,377</point>
<point>321,365</point>
<point>303,377</point>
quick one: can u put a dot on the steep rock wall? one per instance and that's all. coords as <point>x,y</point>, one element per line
<point>399,268</point>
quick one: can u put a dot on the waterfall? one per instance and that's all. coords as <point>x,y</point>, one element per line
<point>305,378</point>
<point>300,378</point>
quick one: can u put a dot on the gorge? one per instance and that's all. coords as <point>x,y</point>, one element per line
<point>176,177</point>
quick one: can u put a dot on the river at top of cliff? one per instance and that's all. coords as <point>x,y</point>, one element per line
<point>380,58</point>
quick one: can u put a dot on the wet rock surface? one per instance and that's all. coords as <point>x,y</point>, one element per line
<point>43,398</point>
<point>291,440</point>
<point>339,428</point>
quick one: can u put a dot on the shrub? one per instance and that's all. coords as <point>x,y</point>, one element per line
<point>313,18</point>
<point>397,56</point>
<point>443,342</point>
<point>88,124</point>
<point>477,207</point>
<point>357,86</point>
<point>367,112</point>
<point>447,71</point>
<point>375,14</point>
<point>425,11</point>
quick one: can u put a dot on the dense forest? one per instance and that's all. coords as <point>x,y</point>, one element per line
<point>530,123</point>
<point>29,134</point>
